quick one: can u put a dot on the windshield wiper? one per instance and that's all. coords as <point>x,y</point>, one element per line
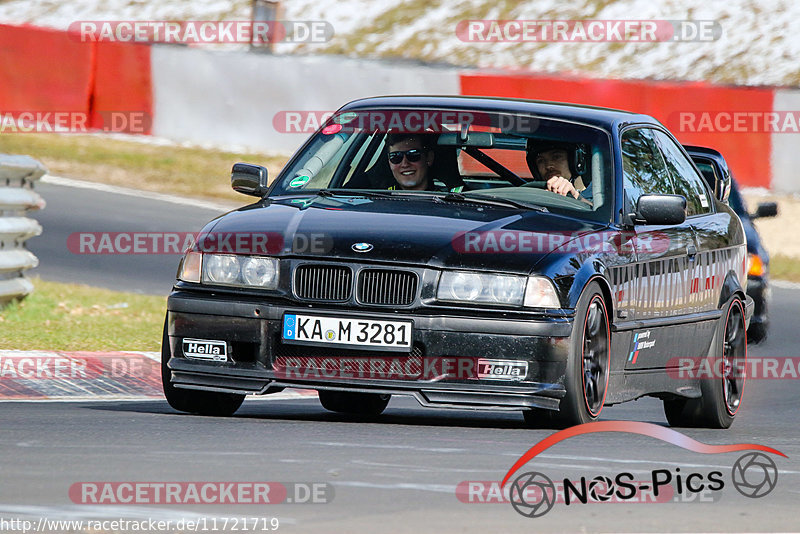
<point>352,193</point>
<point>483,199</point>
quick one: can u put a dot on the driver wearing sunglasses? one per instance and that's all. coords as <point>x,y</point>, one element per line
<point>410,159</point>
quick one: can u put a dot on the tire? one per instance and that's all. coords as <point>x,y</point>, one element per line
<point>586,379</point>
<point>757,333</point>
<point>192,401</point>
<point>721,394</point>
<point>353,403</point>
<point>677,414</point>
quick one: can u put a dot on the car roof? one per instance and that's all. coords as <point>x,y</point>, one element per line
<point>715,155</point>
<point>598,116</point>
<point>702,150</point>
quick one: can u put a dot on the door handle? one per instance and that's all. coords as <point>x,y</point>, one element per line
<point>691,251</point>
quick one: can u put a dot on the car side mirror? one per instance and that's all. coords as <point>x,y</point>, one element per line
<point>765,209</point>
<point>249,179</point>
<point>660,209</point>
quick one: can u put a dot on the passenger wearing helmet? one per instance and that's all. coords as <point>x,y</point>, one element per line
<point>559,165</point>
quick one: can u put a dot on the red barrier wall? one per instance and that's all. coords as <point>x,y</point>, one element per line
<point>52,71</point>
<point>123,84</point>
<point>43,70</point>
<point>748,154</point>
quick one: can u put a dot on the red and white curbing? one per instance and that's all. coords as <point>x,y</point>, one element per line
<point>82,376</point>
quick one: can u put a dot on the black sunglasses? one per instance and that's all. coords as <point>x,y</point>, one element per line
<point>413,156</point>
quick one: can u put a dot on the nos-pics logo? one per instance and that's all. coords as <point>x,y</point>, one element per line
<point>533,494</point>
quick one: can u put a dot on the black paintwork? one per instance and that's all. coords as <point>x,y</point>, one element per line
<point>672,295</point>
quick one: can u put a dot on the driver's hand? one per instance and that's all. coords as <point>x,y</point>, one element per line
<point>562,186</point>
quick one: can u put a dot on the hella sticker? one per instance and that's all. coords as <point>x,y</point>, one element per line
<point>206,349</point>
<point>502,369</point>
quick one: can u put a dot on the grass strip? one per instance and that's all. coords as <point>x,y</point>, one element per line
<point>59,316</point>
<point>782,267</point>
<point>184,171</point>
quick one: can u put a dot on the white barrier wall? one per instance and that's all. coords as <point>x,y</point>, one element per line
<point>225,98</point>
<point>17,174</point>
<point>786,146</point>
<point>231,99</point>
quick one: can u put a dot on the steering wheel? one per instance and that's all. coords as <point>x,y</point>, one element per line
<point>540,184</point>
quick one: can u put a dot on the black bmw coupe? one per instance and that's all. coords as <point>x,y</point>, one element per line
<point>473,253</point>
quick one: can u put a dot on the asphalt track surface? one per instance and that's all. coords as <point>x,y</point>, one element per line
<point>72,210</point>
<point>395,473</point>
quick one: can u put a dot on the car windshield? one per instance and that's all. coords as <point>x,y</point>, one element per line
<point>502,157</point>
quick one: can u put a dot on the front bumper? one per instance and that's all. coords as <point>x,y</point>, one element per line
<point>257,362</point>
<point>758,290</point>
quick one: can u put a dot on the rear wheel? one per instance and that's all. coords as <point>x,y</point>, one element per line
<point>354,403</point>
<point>586,380</point>
<point>192,401</point>
<point>722,393</point>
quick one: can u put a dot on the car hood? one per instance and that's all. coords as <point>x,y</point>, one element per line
<point>404,230</point>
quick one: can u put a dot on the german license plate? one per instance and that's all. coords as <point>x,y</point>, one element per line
<point>206,349</point>
<point>346,331</point>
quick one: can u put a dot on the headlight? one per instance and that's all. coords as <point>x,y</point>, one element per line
<point>476,287</point>
<point>540,293</point>
<point>221,269</point>
<point>261,272</point>
<point>245,271</point>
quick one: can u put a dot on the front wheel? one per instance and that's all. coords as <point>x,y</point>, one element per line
<point>353,403</point>
<point>192,401</point>
<point>586,380</point>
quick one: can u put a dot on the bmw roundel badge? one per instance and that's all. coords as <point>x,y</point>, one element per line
<point>362,247</point>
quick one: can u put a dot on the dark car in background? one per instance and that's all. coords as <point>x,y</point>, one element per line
<point>485,290</point>
<point>715,170</point>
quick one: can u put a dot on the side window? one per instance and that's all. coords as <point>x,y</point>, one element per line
<point>643,167</point>
<point>707,170</point>
<point>684,176</point>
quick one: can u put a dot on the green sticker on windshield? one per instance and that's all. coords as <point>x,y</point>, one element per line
<point>344,118</point>
<point>299,181</point>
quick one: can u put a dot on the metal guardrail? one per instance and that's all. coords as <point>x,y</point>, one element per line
<point>17,197</point>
